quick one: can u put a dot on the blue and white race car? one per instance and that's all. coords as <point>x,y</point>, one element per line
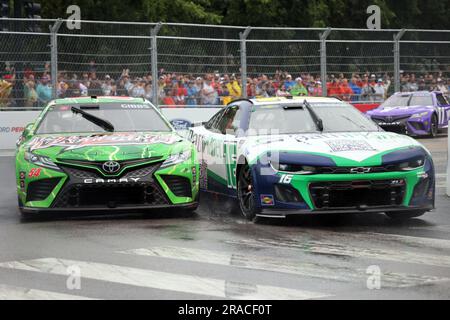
<point>285,156</point>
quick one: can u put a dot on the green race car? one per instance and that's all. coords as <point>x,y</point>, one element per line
<point>104,153</point>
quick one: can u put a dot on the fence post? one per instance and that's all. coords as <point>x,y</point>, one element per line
<point>154,62</point>
<point>397,38</point>
<point>323,60</point>
<point>243,37</point>
<point>54,56</point>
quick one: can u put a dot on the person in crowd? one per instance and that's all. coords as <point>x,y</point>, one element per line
<point>192,94</point>
<point>441,86</point>
<point>179,93</point>
<point>148,94</point>
<point>208,93</point>
<point>6,87</point>
<point>289,83</point>
<point>317,89</point>
<point>44,90</point>
<point>379,91</point>
<point>30,94</point>
<point>234,88</point>
<point>282,91</point>
<point>299,89</point>
<point>107,86</point>
<point>346,93</point>
<point>355,88</point>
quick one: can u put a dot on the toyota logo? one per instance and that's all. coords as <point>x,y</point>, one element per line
<point>360,170</point>
<point>111,167</point>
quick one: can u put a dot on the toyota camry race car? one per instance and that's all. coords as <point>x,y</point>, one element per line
<point>104,153</point>
<point>414,113</point>
<point>285,156</point>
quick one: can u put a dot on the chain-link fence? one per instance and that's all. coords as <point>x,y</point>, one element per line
<point>189,65</point>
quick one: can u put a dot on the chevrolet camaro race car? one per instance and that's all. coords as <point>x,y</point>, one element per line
<point>285,156</point>
<point>104,153</point>
<point>414,113</point>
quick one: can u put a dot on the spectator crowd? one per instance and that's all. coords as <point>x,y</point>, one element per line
<point>35,86</point>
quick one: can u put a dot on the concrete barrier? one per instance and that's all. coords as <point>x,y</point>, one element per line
<point>448,164</point>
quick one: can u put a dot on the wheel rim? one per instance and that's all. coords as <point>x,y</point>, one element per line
<point>246,190</point>
<point>433,126</point>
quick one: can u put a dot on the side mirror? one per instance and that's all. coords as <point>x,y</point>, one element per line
<point>27,130</point>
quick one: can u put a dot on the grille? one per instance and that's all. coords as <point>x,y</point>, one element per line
<point>180,186</point>
<point>143,172</point>
<point>357,194</point>
<point>82,174</point>
<point>91,173</point>
<point>345,170</point>
<point>110,196</point>
<point>41,189</point>
<point>99,164</point>
<point>348,170</point>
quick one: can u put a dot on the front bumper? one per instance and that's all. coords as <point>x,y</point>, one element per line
<point>81,188</point>
<point>345,193</point>
<point>283,213</point>
<point>410,126</point>
<point>127,209</point>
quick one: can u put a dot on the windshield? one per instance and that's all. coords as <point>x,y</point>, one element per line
<point>123,117</point>
<point>336,117</point>
<point>406,100</point>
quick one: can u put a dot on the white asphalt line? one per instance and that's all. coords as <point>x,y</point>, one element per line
<point>336,249</point>
<point>279,265</point>
<point>19,293</point>
<point>163,280</point>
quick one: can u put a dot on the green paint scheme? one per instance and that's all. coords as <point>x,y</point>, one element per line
<point>101,147</point>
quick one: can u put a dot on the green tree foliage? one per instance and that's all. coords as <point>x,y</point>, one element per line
<point>429,14</point>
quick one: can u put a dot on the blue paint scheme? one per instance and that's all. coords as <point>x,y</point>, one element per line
<point>429,194</point>
<point>403,155</point>
<point>264,184</point>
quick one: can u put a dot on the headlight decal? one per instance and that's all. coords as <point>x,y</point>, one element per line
<point>41,161</point>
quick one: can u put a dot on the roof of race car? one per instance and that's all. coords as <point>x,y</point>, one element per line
<point>293,100</point>
<point>94,99</point>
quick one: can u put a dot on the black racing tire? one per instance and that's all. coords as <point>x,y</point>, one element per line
<point>246,196</point>
<point>434,126</point>
<point>192,209</point>
<point>404,215</point>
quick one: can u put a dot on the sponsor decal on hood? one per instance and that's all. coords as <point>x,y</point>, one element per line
<point>354,146</point>
<point>118,139</point>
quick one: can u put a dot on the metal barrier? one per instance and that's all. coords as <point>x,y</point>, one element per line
<point>106,57</point>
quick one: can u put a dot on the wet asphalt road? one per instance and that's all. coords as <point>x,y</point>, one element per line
<point>215,254</point>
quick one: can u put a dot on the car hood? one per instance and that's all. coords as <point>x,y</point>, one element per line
<point>351,148</point>
<point>398,111</point>
<point>106,146</point>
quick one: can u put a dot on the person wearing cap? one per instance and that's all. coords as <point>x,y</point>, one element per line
<point>380,92</point>
<point>289,83</point>
<point>317,89</point>
<point>299,89</point>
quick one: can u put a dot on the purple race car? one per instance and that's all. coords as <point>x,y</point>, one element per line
<point>413,113</point>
